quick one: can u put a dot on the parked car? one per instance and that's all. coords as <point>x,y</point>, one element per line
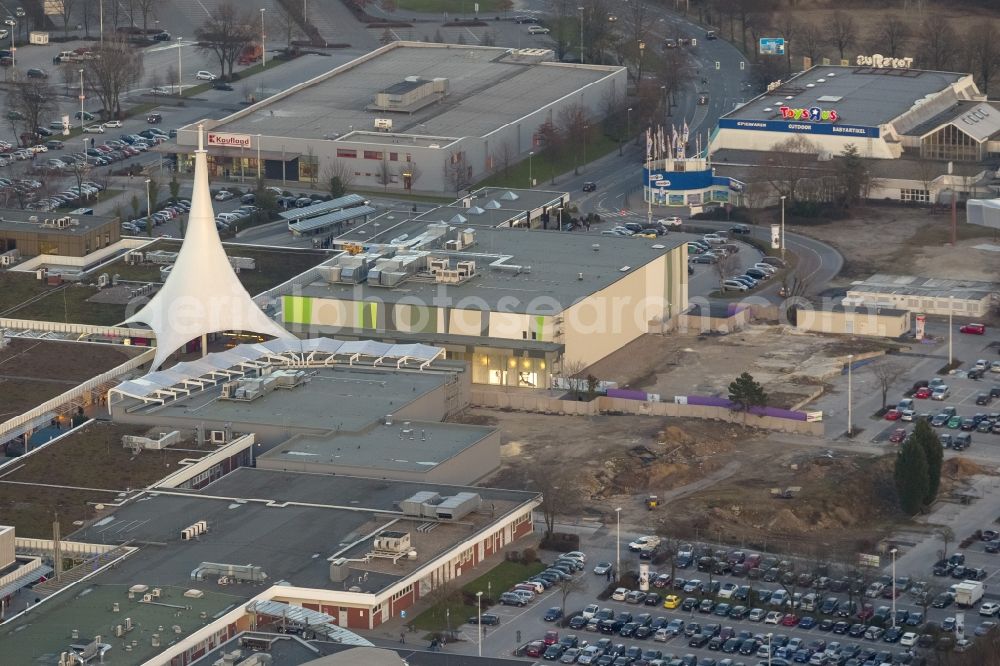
<point>203,75</point>
<point>973,329</point>
<point>589,186</point>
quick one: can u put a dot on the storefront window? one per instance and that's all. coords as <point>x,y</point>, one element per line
<point>309,168</point>
<point>951,143</point>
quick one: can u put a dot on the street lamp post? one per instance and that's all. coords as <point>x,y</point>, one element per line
<point>263,51</point>
<point>479,620</point>
<point>585,128</point>
<point>782,227</point>
<point>180,67</point>
<point>951,312</point>
<point>581,34</point>
<point>149,210</point>
<point>618,543</point>
<point>893,553</point>
<point>769,653</point>
<point>666,107</point>
<point>531,180</point>
<point>81,98</point>
<point>850,388</point>
<point>628,128</point>
<point>258,157</point>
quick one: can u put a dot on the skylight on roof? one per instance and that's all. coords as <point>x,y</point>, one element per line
<point>829,98</point>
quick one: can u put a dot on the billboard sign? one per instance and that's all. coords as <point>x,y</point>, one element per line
<point>796,127</point>
<point>772,46</point>
<point>866,560</point>
<point>880,61</point>
<point>921,326</point>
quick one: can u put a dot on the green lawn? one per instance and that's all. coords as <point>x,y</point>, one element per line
<point>545,166</point>
<point>450,6</point>
<point>494,582</point>
<point>15,288</point>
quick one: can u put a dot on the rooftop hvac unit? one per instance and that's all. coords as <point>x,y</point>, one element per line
<point>6,260</point>
<point>329,274</point>
<point>393,542</point>
<point>229,390</point>
<point>383,124</point>
<point>453,245</point>
<point>411,506</point>
<point>339,570</point>
<point>436,264</point>
<point>449,276</point>
<point>458,506</point>
<point>391,279</point>
<point>468,237</point>
<point>466,269</point>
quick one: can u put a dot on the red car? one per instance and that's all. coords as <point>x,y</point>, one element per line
<point>551,637</point>
<point>898,435</point>
<point>893,415</point>
<point>866,612</point>
<point>923,392</point>
<point>973,329</point>
<point>535,649</point>
<point>790,620</point>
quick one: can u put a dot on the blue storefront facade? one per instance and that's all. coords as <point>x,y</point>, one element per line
<point>689,182</point>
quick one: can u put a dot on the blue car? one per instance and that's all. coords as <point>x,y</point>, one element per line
<point>553,614</point>
<point>808,622</point>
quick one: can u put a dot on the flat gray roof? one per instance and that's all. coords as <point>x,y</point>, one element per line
<point>556,266</point>
<point>381,447</point>
<point>486,90</point>
<point>885,283</point>
<point>335,399</point>
<point>867,96</point>
<point>12,219</point>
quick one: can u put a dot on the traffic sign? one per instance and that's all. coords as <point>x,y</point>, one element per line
<point>743,64</point>
<point>718,65</point>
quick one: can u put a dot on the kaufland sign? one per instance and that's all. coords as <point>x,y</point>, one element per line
<point>229,140</point>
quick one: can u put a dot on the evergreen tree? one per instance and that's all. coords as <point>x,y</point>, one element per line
<point>746,392</point>
<point>927,439</point>
<point>911,477</point>
<point>852,176</point>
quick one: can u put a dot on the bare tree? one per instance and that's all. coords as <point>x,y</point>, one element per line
<point>560,496</point>
<point>337,176</point>
<point>983,53</point>
<point>286,22</point>
<point>673,74</point>
<point>28,103</point>
<point>225,33</point>
<point>116,67</point>
<point>810,42</point>
<point>725,268</point>
<point>574,124</point>
<point>503,157</point>
<point>886,373</point>
<point>891,35</point>
<point>563,32</point>
<point>789,165</point>
<point>68,8</point>
<point>940,45</point>
<point>146,9</point>
<point>842,31</point>
<point>788,28</point>
<point>572,372</point>
<point>947,536</point>
<point>456,172</point>
<point>569,587</point>
<point>637,23</point>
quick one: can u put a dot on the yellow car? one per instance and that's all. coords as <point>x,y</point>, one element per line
<point>672,601</point>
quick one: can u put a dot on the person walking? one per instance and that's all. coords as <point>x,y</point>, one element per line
<point>402,637</point>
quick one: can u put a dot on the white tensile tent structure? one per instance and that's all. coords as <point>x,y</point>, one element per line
<point>983,212</point>
<point>202,294</point>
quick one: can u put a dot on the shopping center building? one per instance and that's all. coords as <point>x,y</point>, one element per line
<point>407,116</point>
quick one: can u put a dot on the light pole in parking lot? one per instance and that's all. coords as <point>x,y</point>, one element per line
<point>581,33</point>
<point>81,99</point>
<point>951,311</point>
<point>149,210</point>
<point>180,66</point>
<point>263,51</point>
<point>100,11</point>
<point>850,378</point>
<point>769,649</point>
<point>893,553</point>
<point>618,543</point>
<point>479,620</point>
<point>782,227</point>
<point>531,180</point>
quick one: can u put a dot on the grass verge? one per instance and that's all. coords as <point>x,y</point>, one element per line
<point>450,6</point>
<point>460,607</point>
<point>547,165</point>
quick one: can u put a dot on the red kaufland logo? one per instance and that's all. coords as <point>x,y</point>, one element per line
<point>231,140</point>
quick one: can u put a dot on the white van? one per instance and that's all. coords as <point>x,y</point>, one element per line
<point>809,602</point>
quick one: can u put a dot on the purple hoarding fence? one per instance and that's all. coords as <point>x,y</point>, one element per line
<point>714,401</point>
<point>628,394</point>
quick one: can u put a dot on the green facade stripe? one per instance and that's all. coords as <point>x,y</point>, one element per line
<point>372,321</point>
<point>539,326</point>
<point>297,309</point>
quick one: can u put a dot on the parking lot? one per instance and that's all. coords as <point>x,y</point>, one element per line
<point>722,619</point>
